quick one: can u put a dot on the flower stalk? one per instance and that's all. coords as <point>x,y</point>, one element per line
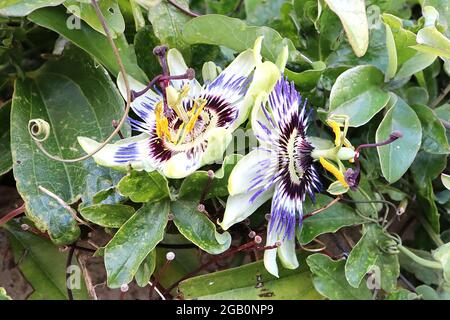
<point>423,262</point>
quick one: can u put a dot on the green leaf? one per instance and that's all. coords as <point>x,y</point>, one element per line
<point>428,293</point>
<point>396,157</point>
<point>401,294</point>
<point>430,40</point>
<point>392,53</point>
<point>442,254</point>
<point>443,112</point>
<point>357,93</point>
<point>307,80</point>
<point>377,54</point>
<point>107,215</point>
<point>427,166</point>
<point>434,138</point>
<point>353,17</point>
<point>91,41</point>
<point>262,12</point>
<point>110,10</point>
<point>194,185</point>
<point>403,38</point>
<point>330,220</point>
<point>424,274</point>
<point>445,178</point>
<point>144,42</point>
<point>142,186</point>
<point>417,63</point>
<point>329,279</point>
<point>251,282</point>
<point>426,199</point>
<point>79,101</point>
<point>5,137</point>
<point>186,260</point>
<point>21,8</point>
<point>365,193</point>
<point>235,34</point>
<point>169,22</point>
<point>4,295</point>
<point>43,265</point>
<point>196,227</point>
<point>416,95</point>
<point>134,241</point>
<point>146,269</point>
<point>367,254</point>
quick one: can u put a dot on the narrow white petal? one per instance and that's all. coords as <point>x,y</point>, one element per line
<point>265,77</point>
<point>240,207</point>
<point>180,166</point>
<point>177,67</point>
<point>287,254</point>
<point>270,256</point>
<point>107,156</point>
<point>247,171</point>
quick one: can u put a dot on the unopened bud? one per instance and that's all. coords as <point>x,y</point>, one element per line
<point>258,239</point>
<point>402,207</point>
<point>201,207</point>
<point>160,51</point>
<point>124,288</point>
<point>25,227</point>
<point>170,256</point>
<point>252,234</point>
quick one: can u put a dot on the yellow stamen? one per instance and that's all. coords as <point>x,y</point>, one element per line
<point>158,113</point>
<point>337,131</point>
<point>195,116</point>
<point>175,100</point>
<point>334,171</point>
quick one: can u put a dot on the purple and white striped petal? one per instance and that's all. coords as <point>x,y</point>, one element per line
<point>284,162</point>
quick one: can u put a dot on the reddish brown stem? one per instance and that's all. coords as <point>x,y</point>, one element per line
<point>12,214</point>
<point>157,278</point>
<point>37,232</point>
<point>229,252</point>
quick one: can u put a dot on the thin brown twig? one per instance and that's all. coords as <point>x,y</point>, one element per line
<point>441,97</point>
<point>82,262</point>
<point>158,277</point>
<point>331,203</point>
<point>184,10</point>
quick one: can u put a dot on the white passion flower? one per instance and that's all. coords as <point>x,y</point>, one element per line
<point>281,168</point>
<point>193,125</point>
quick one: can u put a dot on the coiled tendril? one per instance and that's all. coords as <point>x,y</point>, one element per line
<point>40,129</point>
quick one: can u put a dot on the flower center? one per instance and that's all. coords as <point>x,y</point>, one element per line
<point>181,124</point>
